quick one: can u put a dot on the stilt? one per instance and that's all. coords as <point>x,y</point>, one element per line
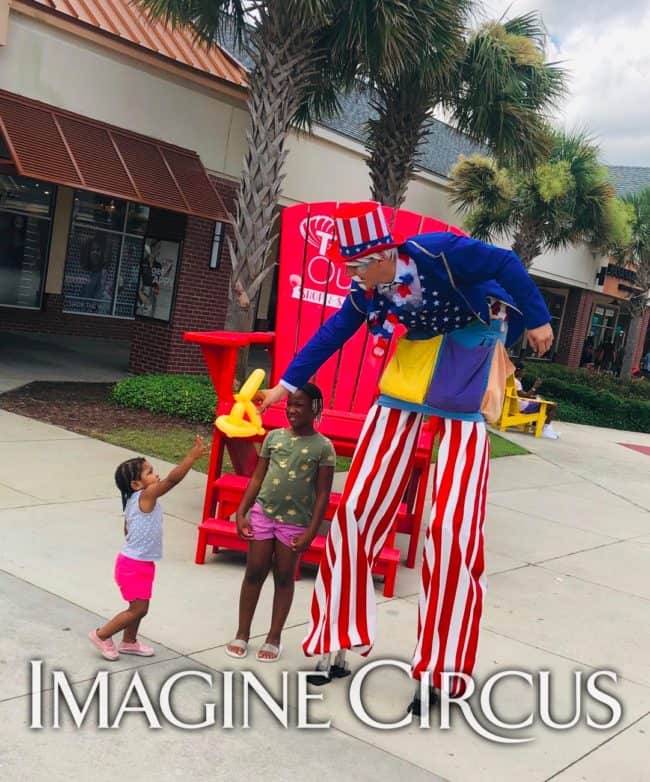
<point>323,665</point>
<point>339,669</point>
<point>335,670</point>
<point>418,704</point>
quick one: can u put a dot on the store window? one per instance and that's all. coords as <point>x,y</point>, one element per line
<point>25,227</point>
<point>603,324</point>
<point>109,245</point>
<point>555,302</point>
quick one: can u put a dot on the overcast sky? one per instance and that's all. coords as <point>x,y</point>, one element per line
<point>605,46</point>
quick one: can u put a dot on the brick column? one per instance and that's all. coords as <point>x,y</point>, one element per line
<point>200,304</point>
<point>575,326</point>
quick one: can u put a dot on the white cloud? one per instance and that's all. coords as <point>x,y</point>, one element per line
<point>605,48</point>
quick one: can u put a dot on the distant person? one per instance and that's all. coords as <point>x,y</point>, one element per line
<point>587,357</point>
<point>135,565</point>
<point>645,365</point>
<point>287,497</point>
<point>533,407</point>
<point>605,357</point>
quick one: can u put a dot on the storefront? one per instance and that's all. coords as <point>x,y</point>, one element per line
<point>556,301</point>
<point>88,242</point>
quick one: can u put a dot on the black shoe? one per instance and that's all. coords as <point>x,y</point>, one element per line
<point>323,678</point>
<point>415,706</point>
<point>335,672</point>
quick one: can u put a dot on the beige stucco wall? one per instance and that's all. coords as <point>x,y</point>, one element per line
<point>575,265</point>
<point>71,73</point>
<point>329,167</point>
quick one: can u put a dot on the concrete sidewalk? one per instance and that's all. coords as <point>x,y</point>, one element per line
<point>54,357</point>
<point>568,554</point>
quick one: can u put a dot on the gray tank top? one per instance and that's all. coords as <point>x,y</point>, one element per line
<point>143,530</point>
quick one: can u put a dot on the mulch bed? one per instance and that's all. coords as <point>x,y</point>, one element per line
<point>81,407</point>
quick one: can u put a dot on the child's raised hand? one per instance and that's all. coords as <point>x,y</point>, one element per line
<point>199,448</point>
<point>243,527</point>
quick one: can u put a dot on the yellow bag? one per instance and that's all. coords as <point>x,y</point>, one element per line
<point>408,374</point>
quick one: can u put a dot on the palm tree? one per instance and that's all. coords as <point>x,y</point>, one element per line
<point>279,38</point>
<point>636,253</point>
<point>495,84</point>
<point>289,43</point>
<point>565,200</point>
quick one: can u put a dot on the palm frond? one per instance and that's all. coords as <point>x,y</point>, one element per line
<point>506,89</point>
<point>476,182</point>
<point>528,25</point>
<point>207,19</point>
<point>487,225</point>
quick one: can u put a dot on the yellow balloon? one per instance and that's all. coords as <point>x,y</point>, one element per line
<point>235,424</point>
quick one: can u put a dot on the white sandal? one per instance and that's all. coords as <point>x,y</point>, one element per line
<point>238,643</point>
<point>276,650</point>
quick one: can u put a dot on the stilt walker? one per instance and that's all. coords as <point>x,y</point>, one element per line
<point>461,301</point>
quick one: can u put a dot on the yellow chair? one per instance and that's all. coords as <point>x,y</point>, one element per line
<point>512,416</point>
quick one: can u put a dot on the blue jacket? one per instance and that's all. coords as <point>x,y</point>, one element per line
<point>463,272</point>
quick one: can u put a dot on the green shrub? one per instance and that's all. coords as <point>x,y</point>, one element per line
<point>186,396</point>
<point>580,402</point>
<point>632,389</point>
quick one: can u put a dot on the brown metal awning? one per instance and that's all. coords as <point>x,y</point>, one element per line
<point>69,149</point>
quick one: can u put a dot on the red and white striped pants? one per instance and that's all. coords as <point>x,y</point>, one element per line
<point>343,611</point>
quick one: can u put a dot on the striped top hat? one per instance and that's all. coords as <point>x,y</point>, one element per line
<point>360,230</point>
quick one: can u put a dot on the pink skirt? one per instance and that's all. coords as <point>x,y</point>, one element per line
<point>134,578</point>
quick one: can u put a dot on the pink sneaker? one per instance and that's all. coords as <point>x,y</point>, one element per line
<point>142,650</point>
<point>107,647</point>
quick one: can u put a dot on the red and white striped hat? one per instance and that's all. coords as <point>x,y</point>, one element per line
<point>361,229</point>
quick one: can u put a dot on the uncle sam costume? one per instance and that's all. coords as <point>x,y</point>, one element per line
<point>460,301</point>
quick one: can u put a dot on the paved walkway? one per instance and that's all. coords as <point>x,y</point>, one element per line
<point>568,555</point>
<point>28,357</point>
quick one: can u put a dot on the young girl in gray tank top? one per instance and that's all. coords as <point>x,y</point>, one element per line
<point>140,487</point>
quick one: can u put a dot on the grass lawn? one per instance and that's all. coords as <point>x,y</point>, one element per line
<point>173,443</point>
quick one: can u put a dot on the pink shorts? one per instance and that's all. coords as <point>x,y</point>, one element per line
<point>266,528</point>
<point>134,578</point>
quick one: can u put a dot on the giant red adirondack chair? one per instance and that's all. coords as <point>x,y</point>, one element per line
<point>310,289</point>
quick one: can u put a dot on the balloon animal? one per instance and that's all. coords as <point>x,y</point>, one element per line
<point>235,424</point>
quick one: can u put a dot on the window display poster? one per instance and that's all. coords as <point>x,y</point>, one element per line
<point>90,271</point>
<point>158,270</point>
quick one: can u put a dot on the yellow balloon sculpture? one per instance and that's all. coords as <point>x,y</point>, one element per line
<point>235,424</point>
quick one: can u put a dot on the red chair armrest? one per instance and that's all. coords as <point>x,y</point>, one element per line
<point>229,339</point>
<point>220,355</point>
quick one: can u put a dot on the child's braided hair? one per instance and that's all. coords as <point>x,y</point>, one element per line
<point>316,396</point>
<point>127,472</point>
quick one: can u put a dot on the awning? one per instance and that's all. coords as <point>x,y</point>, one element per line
<point>69,149</point>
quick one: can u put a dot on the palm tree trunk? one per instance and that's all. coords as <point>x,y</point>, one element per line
<point>281,53</point>
<point>526,244</point>
<point>394,137</point>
